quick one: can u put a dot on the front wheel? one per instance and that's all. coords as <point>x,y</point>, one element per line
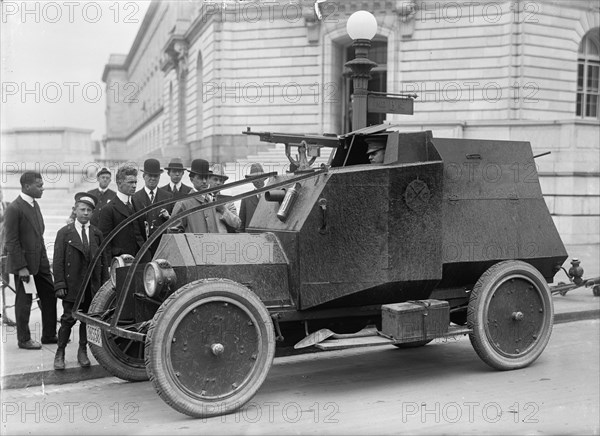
<point>122,357</point>
<point>209,347</point>
<point>511,314</point>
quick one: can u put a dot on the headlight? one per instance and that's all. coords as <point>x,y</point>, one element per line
<point>119,262</point>
<point>158,276</point>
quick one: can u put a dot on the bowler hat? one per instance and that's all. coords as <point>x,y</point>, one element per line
<point>200,167</point>
<point>84,197</point>
<point>152,167</point>
<point>219,171</point>
<point>376,142</point>
<point>103,171</point>
<point>256,169</point>
<point>175,164</point>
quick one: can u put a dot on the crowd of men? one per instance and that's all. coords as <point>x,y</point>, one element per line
<point>95,215</point>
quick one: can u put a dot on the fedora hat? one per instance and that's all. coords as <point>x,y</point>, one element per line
<point>84,197</point>
<point>152,167</point>
<point>219,171</point>
<point>175,164</point>
<point>256,169</point>
<point>200,167</point>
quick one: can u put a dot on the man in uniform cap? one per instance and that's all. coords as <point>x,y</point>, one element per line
<point>148,195</point>
<point>103,193</point>
<point>76,245</point>
<point>175,171</point>
<point>248,206</point>
<point>376,148</point>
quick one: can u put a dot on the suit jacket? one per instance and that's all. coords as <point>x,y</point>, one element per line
<point>103,200</point>
<point>24,232</point>
<point>129,239</point>
<point>247,209</point>
<point>185,189</point>
<point>70,262</point>
<point>151,221</point>
<point>204,221</point>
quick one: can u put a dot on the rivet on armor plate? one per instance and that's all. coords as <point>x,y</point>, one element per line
<point>174,340</point>
<point>253,357</point>
<point>250,323</point>
<point>203,393</point>
<point>178,374</point>
<point>234,385</point>
<point>517,350</point>
<point>193,310</point>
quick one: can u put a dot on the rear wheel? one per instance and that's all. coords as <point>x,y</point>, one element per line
<point>209,347</point>
<point>122,357</point>
<point>511,314</point>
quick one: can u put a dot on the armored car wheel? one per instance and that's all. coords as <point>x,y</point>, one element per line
<point>511,314</point>
<point>209,347</point>
<point>122,357</point>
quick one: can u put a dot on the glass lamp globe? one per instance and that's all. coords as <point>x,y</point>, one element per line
<point>361,25</point>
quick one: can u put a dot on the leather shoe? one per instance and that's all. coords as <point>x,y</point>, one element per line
<point>59,359</point>
<point>30,345</point>
<point>82,356</point>
<point>52,340</point>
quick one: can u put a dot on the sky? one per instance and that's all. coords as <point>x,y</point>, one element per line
<point>53,55</point>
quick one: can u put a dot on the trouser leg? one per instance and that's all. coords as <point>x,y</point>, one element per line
<point>45,288</point>
<point>22,311</point>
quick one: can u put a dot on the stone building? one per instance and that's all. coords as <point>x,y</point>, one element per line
<point>200,72</point>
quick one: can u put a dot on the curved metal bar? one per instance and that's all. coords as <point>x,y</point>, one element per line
<point>131,218</point>
<point>131,271</point>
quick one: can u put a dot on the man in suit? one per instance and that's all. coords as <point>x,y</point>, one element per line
<point>175,171</point>
<point>248,206</point>
<point>27,260</point>
<point>227,213</point>
<point>129,239</point>
<point>76,245</point>
<point>148,195</point>
<point>376,149</point>
<point>204,221</point>
<point>103,193</point>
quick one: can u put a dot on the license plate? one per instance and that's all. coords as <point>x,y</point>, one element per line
<point>94,335</point>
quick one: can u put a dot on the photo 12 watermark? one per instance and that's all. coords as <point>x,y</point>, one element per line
<point>63,12</point>
<point>470,412</point>
<point>52,412</point>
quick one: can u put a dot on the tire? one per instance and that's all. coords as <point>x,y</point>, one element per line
<point>511,313</point>
<point>122,357</point>
<point>415,344</point>
<point>209,347</point>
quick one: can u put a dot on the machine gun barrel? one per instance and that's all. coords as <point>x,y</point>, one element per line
<point>293,138</point>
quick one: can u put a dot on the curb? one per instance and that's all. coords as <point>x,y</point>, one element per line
<point>75,373</point>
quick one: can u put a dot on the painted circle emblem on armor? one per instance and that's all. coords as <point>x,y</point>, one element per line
<point>417,195</point>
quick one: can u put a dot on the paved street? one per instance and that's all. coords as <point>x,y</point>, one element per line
<point>439,389</point>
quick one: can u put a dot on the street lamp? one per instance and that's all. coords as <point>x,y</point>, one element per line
<point>361,27</point>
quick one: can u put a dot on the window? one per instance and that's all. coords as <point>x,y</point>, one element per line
<point>588,70</point>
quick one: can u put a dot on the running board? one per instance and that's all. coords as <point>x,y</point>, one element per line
<point>376,339</point>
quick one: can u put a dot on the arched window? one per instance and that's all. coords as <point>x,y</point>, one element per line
<point>588,70</point>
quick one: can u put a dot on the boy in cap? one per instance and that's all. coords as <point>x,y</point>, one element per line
<point>175,171</point>
<point>103,193</point>
<point>249,204</point>
<point>148,195</point>
<point>75,246</point>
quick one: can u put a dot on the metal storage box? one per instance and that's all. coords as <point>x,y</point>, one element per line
<point>415,320</point>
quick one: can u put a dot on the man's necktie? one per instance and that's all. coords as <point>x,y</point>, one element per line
<point>151,196</point>
<point>84,239</point>
<point>38,215</point>
<point>129,205</point>
<point>175,190</point>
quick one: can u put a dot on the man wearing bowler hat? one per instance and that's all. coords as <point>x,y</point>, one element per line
<point>204,221</point>
<point>148,195</point>
<point>175,171</point>
<point>227,213</point>
<point>103,193</point>
<point>75,246</point>
<point>248,206</point>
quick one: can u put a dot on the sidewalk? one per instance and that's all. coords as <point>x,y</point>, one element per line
<point>23,368</point>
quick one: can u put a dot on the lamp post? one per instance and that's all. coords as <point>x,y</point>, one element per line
<point>361,27</point>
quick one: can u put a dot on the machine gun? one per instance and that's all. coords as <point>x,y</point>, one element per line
<point>308,145</point>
